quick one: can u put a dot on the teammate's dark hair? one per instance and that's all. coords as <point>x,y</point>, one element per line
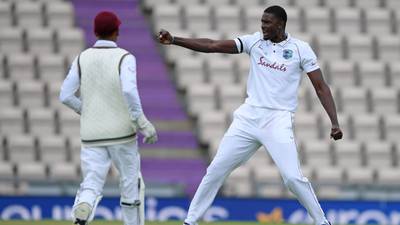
<point>277,11</point>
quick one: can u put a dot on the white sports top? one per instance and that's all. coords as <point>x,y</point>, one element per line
<point>276,70</point>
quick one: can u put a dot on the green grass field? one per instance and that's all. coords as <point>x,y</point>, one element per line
<point>99,222</point>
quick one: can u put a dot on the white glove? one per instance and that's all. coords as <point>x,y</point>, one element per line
<point>147,129</point>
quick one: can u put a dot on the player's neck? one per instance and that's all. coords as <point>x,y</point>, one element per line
<point>279,38</point>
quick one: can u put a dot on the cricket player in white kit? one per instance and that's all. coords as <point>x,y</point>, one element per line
<point>111,112</point>
<point>266,118</point>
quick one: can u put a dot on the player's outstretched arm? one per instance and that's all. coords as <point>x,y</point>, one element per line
<point>199,44</point>
<point>325,96</point>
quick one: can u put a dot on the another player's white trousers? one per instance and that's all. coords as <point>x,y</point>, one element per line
<point>251,128</point>
<point>95,165</point>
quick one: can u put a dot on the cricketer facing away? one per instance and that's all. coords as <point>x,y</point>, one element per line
<point>110,113</point>
<point>266,117</point>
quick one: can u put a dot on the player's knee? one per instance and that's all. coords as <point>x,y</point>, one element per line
<point>291,179</point>
<point>215,173</point>
<point>129,188</point>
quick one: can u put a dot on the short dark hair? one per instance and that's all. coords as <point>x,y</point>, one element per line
<point>278,12</point>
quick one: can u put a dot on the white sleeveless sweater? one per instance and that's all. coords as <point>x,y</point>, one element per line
<point>105,118</point>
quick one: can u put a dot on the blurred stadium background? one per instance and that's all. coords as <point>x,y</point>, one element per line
<point>190,97</point>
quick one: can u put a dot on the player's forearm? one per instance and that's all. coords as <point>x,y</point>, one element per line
<point>133,102</point>
<point>326,99</point>
<point>130,91</point>
<point>67,93</point>
<point>72,102</point>
<point>196,44</point>
<point>69,87</point>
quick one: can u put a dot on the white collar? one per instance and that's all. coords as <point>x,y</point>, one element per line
<point>282,43</point>
<point>105,43</point>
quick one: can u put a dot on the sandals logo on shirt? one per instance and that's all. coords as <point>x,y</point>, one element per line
<point>287,53</point>
<point>274,65</point>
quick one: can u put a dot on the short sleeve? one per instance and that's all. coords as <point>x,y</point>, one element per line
<point>309,61</point>
<point>244,43</point>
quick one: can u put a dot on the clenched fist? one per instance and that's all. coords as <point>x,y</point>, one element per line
<point>336,133</point>
<point>164,37</point>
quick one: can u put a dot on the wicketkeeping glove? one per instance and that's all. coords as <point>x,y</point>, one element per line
<point>147,129</point>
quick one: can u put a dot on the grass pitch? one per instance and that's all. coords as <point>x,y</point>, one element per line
<point>100,222</point>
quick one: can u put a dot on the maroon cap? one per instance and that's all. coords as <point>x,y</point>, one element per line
<point>106,23</point>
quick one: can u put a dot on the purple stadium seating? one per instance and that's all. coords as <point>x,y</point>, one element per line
<point>175,171</point>
<point>174,139</point>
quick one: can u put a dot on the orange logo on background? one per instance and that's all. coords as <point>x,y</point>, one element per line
<point>275,216</point>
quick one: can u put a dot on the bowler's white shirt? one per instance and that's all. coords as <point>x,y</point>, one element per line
<point>276,70</point>
<point>128,83</point>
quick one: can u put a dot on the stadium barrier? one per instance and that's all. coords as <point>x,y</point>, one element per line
<point>223,209</point>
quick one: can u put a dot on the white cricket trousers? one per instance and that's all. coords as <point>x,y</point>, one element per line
<point>251,128</point>
<point>95,165</point>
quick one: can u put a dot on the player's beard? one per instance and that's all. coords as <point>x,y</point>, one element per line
<point>273,35</point>
<point>268,35</point>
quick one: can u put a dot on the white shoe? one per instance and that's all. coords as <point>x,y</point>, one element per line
<point>81,213</point>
